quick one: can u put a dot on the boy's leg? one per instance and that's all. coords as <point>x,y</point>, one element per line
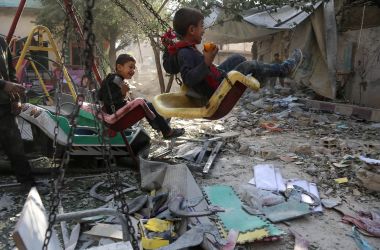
<point>259,70</point>
<point>159,122</point>
<point>231,62</point>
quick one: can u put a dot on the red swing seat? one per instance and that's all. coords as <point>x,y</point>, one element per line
<point>123,118</point>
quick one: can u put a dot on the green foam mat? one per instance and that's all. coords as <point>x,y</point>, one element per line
<point>234,216</point>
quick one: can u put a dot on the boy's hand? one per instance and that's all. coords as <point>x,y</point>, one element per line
<point>210,55</point>
<point>124,89</point>
<point>13,89</point>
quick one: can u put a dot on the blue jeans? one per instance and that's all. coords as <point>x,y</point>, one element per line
<point>258,70</point>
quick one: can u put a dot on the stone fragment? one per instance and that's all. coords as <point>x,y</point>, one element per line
<point>304,149</point>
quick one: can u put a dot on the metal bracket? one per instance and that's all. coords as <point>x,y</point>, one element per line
<point>206,143</point>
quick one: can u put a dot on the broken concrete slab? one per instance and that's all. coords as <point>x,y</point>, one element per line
<point>370,179</point>
<point>28,234</point>
<point>112,231</point>
<point>331,202</point>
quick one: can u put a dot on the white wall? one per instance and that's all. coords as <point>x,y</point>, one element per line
<point>24,25</point>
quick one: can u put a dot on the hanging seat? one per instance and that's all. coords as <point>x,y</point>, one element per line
<point>123,118</point>
<point>179,104</point>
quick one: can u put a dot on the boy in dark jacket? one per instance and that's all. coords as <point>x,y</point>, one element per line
<point>113,92</point>
<point>197,69</point>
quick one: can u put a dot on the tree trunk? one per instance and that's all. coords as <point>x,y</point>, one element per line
<point>112,52</point>
<point>139,45</point>
<point>160,74</point>
<point>170,83</point>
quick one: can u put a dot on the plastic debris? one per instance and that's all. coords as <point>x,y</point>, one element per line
<point>308,187</point>
<point>232,238</point>
<point>300,242</point>
<point>257,198</point>
<point>360,242</point>
<point>369,222</point>
<point>369,160</point>
<point>341,180</point>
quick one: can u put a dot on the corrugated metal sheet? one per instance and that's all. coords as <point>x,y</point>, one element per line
<point>281,18</point>
<point>255,23</point>
<point>34,4</point>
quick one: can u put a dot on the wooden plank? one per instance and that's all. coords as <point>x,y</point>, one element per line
<point>30,229</point>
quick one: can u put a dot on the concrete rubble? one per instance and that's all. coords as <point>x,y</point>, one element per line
<point>307,148</point>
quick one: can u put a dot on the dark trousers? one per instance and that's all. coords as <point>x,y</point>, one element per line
<point>12,144</point>
<point>258,69</point>
<point>158,123</point>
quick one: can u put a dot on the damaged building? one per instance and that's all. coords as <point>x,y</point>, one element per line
<point>341,47</point>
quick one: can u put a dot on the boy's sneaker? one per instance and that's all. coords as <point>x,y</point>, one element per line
<point>295,60</point>
<point>174,133</point>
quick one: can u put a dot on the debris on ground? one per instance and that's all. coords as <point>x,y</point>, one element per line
<point>272,163</point>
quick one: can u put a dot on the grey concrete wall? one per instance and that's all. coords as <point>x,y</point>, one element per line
<point>359,66</point>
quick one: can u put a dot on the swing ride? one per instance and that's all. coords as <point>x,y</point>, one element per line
<point>44,117</point>
<point>82,128</point>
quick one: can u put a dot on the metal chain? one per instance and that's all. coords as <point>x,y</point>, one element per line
<point>58,183</point>
<point>113,177</point>
<point>149,7</point>
<point>89,41</point>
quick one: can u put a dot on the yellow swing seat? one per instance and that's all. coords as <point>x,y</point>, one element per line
<point>178,104</point>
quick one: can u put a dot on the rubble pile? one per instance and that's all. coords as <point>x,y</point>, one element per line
<point>272,174</point>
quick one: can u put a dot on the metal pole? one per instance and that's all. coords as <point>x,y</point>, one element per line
<point>15,20</point>
<point>94,212</point>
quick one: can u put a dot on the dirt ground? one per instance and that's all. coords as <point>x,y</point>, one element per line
<point>301,137</point>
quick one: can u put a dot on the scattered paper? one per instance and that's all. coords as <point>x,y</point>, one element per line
<point>268,177</point>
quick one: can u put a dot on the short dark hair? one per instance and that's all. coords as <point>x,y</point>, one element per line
<point>276,54</point>
<point>124,58</point>
<point>184,18</point>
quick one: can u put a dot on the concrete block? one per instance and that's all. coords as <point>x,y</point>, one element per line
<point>343,109</point>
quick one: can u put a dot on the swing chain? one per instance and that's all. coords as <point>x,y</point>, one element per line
<point>149,7</point>
<point>112,176</point>
<point>89,41</point>
<point>58,183</point>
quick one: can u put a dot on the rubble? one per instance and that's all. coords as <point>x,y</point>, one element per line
<point>309,145</point>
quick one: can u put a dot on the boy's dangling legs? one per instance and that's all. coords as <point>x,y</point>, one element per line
<point>261,70</point>
<point>231,62</point>
<point>159,123</point>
